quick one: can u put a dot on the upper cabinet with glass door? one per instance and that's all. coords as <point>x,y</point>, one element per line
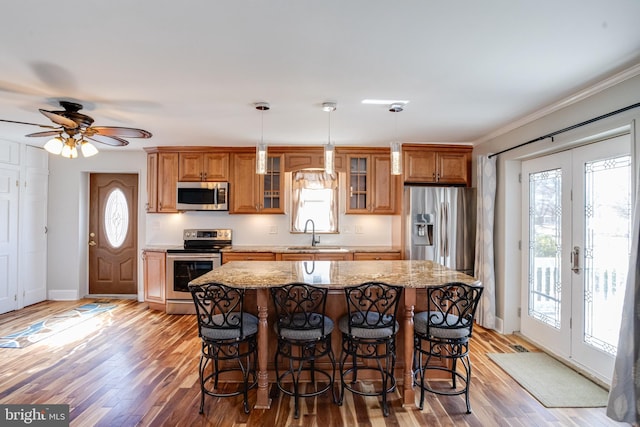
<point>252,193</point>
<point>371,189</point>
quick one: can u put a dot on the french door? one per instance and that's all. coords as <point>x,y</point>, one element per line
<point>576,243</point>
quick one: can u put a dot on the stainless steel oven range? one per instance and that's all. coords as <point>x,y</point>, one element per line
<point>200,254</point>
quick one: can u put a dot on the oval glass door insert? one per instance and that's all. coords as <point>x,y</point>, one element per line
<point>116,218</point>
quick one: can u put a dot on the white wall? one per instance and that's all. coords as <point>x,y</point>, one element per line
<point>67,272</point>
<point>508,204</point>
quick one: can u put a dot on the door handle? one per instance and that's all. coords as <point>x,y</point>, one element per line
<point>575,260</point>
<point>91,241</point>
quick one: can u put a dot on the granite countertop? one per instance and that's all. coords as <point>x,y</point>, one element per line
<point>162,248</point>
<point>335,274</point>
<point>303,248</point>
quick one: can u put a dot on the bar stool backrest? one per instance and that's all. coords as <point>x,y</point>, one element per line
<point>452,306</point>
<point>373,305</point>
<point>218,307</point>
<point>300,306</point>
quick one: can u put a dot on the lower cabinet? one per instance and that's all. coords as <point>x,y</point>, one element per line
<point>376,256</point>
<point>155,267</point>
<point>247,256</point>
<point>325,256</point>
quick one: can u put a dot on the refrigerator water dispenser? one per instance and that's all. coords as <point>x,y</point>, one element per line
<point>423,230</point>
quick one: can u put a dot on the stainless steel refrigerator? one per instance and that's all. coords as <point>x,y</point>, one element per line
<point>440,225</point>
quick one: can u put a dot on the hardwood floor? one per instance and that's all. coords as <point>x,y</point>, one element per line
<point>134,366</point>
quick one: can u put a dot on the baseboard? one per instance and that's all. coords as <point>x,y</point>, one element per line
<point>63,295</point>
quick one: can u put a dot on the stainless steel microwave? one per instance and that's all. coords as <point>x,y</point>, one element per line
<point>203,196</point>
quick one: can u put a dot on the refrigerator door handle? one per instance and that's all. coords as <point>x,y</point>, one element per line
<point>445,229</point>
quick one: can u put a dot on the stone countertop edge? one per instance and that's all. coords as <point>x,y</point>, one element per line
<point>288,249</point>
<point>335,274</point>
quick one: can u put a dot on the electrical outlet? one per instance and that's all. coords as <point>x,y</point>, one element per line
<point>359,229</point>
<point>273,229</point>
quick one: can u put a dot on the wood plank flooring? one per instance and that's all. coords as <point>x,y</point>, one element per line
<point>134,366</point>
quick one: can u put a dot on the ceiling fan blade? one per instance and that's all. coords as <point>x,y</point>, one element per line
<point>45,133</point>
<point>108,140</point>
<point>58,119</point>
<point>25,123</point>
<point>119,131</point>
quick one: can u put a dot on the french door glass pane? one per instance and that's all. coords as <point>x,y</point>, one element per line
<point>545,215</point>
<point>607,246</point>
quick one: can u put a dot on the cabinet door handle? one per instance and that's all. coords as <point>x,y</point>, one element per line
<point>205,176</point>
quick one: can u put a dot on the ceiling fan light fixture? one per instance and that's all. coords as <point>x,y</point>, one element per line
<point>54,145</point>
<point>88,149</point>
<point>69,149</point>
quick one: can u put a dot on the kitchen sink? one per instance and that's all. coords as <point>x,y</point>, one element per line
<point>317,248</point>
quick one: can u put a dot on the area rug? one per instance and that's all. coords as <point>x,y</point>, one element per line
<point>554,384</point>
<point>53,325</point>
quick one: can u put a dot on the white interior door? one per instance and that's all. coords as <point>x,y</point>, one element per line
<point>9,198</point>
<point>576,235</point>
<point>33,228</point>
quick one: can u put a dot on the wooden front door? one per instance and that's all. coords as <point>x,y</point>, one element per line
<point>113,206</point>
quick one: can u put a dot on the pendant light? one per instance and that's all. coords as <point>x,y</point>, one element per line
<point>261,148</point>
<point>396,146</point>
<point>329,148</point>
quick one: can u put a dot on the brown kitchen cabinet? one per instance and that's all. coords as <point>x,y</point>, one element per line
<point>195,166</point>
<point>152,183</point>
<point>437,165</point>
<point>252,193</point>
<point>371,187</point>
<point>162,178</point>
<point>376,256</point>
<point>247,256</point>
<point>310,158</point>
<point>308,256</point>
<point>154,269</point>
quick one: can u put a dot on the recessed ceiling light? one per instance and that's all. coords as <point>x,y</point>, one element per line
<point>384,101</point>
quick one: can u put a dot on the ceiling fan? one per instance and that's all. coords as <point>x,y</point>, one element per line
<point>75,129</point>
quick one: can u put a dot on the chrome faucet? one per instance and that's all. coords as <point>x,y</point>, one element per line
<point>314,240</point>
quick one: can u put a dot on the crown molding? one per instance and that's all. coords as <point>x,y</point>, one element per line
<point>577,97</point>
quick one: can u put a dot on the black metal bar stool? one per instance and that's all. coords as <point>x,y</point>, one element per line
<point>369,334</point>
<point>228,336</point>
<point>304,336</point>
<point>442,333</point>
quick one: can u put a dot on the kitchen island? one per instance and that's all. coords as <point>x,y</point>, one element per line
<point>262,275</point>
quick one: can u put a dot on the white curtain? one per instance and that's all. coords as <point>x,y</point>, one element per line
<point>306,180</point>
<point>624,395</point>
<point>484,264</point>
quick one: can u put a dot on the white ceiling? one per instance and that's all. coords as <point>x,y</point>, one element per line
<point>190,71</point>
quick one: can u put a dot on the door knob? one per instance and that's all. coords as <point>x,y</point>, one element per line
<point>91,241</point>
